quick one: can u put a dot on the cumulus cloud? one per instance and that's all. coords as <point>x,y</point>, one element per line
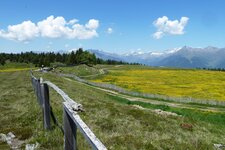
<point>109,30</point>
<point>92,24</point>
<point>73,21</point>
<point>165,26</point>
<point>21,32</point>
<point>51,27</point>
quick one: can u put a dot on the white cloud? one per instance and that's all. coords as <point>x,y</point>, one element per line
<point>92,24</point>
<point>109,30</point>
<point>73,21</point>
<point>158,34</point>
<point>82,32</point>
<point>21,32</point>
<point>51,27</point>
<point>165,26</point>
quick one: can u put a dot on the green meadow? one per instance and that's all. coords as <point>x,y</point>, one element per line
<point>116,121</point>
<point>189,83</point>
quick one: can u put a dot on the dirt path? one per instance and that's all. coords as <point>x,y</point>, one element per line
<point>155,102</point>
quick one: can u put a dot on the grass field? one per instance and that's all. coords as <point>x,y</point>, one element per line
<point>118,123</point>
<point>81,70</point>
<point>171,82</point>
<point>11,67</point>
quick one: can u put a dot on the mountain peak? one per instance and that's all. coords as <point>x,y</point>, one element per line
<point>184,57</point>
<point>186,47</point>
<point>174,50</point>
<point>211,48</point>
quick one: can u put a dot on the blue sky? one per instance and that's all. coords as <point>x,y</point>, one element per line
<point>117,26</point>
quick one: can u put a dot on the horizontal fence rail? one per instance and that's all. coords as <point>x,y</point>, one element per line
<point>66,98</point>
<point>71,118</point>
<point>88,134</point>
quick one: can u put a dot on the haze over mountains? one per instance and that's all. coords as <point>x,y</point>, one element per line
<point>185,57</point>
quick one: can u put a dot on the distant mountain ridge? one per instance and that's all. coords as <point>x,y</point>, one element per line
<point>185,57</point>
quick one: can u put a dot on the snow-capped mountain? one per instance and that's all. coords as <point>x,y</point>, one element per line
<point>185,57</point>
<point>106,55</point>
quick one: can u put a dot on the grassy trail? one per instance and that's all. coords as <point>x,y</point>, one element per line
<point>158,102</point>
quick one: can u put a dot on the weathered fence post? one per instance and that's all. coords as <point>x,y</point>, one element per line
<point>70,132</point>
<point>45,105</point>
<point>33,84</point>
<point>39,97</point>
<point>37,89</point>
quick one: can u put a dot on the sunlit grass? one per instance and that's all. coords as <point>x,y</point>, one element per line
<point>114,120</point>
<point>80,70</point>
<point>12,67</point>
<point>15,69</point>
<point>176,83</point>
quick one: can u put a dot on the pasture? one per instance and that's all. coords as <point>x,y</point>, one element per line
<point>199,84</point>
<point>116,121</point>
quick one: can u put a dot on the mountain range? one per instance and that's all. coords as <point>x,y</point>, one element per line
<point>185,57</point>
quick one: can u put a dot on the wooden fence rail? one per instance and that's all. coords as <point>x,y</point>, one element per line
<point>71,118</point>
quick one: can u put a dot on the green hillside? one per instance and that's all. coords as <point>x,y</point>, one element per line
<point>118,122</point>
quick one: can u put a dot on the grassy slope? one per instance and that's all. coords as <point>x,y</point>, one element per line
<point>116,124</point>
<point>15,65</point>
<point>81,70</point>
<point>171,82</point>
<point>11,66</point>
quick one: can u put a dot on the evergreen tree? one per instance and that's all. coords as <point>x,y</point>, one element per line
<point>73,58</point>
<point>2,60</point>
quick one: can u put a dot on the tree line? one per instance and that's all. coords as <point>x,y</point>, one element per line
<point>73,58</point>
<point>212,69</point>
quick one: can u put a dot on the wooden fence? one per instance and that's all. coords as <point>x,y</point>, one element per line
<point>71,118</point>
